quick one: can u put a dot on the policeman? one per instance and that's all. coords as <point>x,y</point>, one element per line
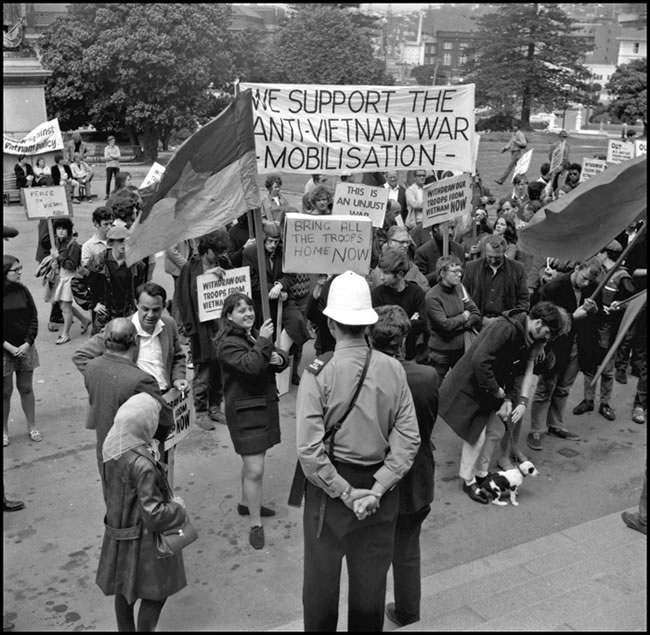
<point>352,459</point>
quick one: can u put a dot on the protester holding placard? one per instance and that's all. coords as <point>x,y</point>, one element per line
<point>394,289</point>
<point>210,257</point>
<point>249,362</point>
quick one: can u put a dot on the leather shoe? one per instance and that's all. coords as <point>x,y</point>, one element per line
<point>204,422</point>
<point>583,406</point>
<point>475,493</point>
<point>621,377</point>
<point>392,616</point>
<point>256,537</point>
<point>534,441</point>
<point>607,412</point>
<point>562,433</point>
<point>265,512</point>
<point>216,415</point>
<point>638,415</point>
<point>12,506</point>
<point>633,522</point>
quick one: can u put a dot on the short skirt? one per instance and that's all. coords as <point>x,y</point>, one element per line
<point>11,364</point>
<point>63,291</point>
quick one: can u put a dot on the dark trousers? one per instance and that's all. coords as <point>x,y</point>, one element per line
<point>206,385</point>
<point>56,315</point>
<point>635,341</point>
<point>148,615</point>
<point>110,174</point>
<point>367,546</point>
<point>406,565</point>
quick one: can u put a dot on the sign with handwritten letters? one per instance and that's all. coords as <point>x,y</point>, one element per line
<point>183,415</point>
<point>331,128</point>
<point>212,290</point>
<point>522,165</point>
<point>155,174</point>
<point>640,147</point>
<point>327,244</point>
<point>557,158</point>
<point>447,199</point>
<point>619,151</point>
<point>47,202</point>
<point>356,199</point>
<point>591,167</point>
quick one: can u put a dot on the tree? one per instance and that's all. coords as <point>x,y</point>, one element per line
<point>142,67</point>
<point>324,44</point>
<point>425,75</point>
<point>525,55</point>
<point>629,87</point>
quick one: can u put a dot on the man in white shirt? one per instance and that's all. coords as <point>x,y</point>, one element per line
<point>396,192</point>
<point>102,220</point>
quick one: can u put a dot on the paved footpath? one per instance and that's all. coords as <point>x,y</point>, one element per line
<point>591,577</point>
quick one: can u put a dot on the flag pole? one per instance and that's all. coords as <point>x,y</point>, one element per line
<point>618,263</point>
<point>255,226</point>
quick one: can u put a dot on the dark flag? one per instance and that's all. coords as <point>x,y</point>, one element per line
<point>209,181</point>
<point>578,225</point>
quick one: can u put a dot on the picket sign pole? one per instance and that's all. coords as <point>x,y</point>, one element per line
<point>50,229</point>
<point>171,454</point>
<point>255,230</point>
<point>445,238</point>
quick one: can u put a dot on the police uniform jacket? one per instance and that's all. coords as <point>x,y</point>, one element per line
<point>381,428</point>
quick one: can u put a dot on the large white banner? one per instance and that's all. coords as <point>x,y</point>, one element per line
<point>329,128</point>
<point>44,138</point>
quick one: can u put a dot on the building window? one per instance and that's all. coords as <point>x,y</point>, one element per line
<point>446,59</point>
<point>447,46</point>
<point>462,60</point>
<point>635,48</point>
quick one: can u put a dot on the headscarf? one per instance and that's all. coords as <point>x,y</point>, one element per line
<point>134,425</point>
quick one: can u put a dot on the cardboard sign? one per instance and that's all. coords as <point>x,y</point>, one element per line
<point>327,244</point>
<point>521,167</point>
<point>356,199</point>
<point>591,167</point>
<point>447,199</point>
<point>47,202</point>
<point>558,156</point>
<point>619,151</point>
<point>155,174</point>
<point>183,415</point>
<point>212,291</point>
<point>640,147</point>
<point>331,128</point>
<point>44,138</point>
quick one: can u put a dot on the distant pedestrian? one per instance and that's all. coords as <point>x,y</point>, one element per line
<point>139,503</point>
<point>112,158</point>
<point>515,146</point>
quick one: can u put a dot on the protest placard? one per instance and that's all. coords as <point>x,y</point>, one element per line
<point>44,138</point>
<point>356,199</point>
<point>155,173</point>
<point>558,156</point>
<point>212,290</point>
<point>640,147</point>
<point>183,416</point>
<point>326,244</point>
<point>47,202</point>
<point>619,151</point>
<point>521,167</point>
<point>591,167</point>
<point>331,128</point>
<point>447,199</point>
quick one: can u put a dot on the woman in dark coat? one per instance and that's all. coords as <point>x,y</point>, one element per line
<point>138,504</point>
<point>248,367</point>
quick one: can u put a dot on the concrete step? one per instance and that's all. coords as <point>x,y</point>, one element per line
<point>591,577</point>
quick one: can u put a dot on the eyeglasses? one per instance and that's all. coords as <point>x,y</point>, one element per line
<point>401,242</point>
<point>420,176</point>
<point>455,272</point>
<point>16,270</point>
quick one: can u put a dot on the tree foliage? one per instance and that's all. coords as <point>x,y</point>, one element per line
<point>424,75</point>
<point>326,44</point>
<point>629,87</point>
<point>143,67</point>
<point>525,55</point>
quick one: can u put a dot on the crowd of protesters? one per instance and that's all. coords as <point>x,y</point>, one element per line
<point>464,334</point>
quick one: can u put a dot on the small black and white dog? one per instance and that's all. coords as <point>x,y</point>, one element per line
<point>498,483</point>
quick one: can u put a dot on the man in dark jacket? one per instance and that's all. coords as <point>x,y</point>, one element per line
<point>427,254</point>
<point>388,335</point>
<point>478,393</point>
<point>496,283</point>
<point>570,291</point>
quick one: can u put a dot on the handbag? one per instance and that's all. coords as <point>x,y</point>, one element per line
<point>172,541</point>
<point>81,291</point>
